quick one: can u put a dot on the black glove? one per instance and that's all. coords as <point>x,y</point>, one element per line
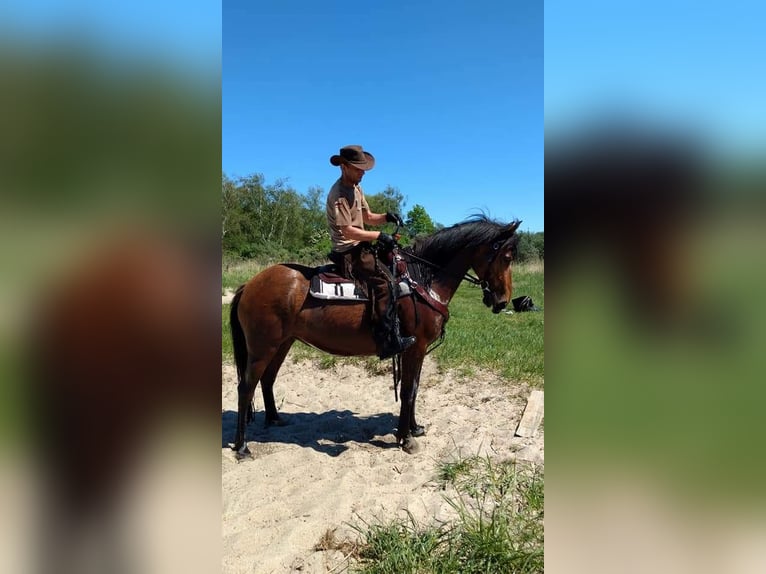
<point>385,240</point>
<point>392,217</point>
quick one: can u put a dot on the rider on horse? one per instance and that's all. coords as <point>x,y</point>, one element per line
<point>352,251</point>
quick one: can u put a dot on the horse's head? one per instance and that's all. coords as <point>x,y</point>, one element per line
<point>492,264</point>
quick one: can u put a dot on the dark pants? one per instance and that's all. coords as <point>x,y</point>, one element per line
<point>360,263</point>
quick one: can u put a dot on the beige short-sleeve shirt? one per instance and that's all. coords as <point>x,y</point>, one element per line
<point>345,206</point>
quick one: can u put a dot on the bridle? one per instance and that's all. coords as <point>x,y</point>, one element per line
<point>483,283</point>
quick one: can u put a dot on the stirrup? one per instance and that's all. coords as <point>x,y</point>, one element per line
<point>395,346</point>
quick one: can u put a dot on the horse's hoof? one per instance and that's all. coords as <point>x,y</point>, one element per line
<point>410,445</point>
<point>277,422</point>
<point>242,452</point>
<point>418,430</point>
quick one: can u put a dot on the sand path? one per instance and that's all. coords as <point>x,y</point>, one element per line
<point>336,463</point>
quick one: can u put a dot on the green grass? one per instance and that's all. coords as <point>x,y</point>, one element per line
<point>511,345</point>
<point>499,526</point>
<point>227,348</point>
<point>236,272</point>
<point>508,344</point>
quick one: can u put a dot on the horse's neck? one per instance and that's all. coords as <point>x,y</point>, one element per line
<point>447,282</point>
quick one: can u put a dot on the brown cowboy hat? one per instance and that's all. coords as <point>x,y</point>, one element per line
<point>354,155</point>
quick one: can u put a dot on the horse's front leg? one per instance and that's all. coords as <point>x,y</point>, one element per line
<point>408,428</point>
<point>415,428</point>
<point>404,436</point>
<point>250,413</point>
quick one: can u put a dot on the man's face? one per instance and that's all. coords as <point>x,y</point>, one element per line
<point>352,174</point>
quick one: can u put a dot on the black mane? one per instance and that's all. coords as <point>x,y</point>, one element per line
<point>440,247</point>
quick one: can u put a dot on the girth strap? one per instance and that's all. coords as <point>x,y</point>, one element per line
<point>428,298</point>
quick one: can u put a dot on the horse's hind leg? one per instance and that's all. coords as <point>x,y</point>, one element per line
<point>245,393</point>
<point>264,369</point>
<point>267,383</point>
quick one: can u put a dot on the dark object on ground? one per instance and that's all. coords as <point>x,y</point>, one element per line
<point>524,303</point>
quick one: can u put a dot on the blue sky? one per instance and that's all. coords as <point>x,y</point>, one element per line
<point>447,96</point>
<point>184,34</point>
<point>683,63</point>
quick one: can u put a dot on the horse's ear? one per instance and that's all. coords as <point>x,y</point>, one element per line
<point>508,230</point>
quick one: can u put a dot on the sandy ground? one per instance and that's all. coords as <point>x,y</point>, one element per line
<point>336,462</point>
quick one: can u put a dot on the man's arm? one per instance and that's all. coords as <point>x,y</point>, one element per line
<point>383,218</point>
<point>356,234</point>
<point>373,218</point>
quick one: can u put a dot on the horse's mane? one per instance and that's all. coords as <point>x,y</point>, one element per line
<point>440,247</point>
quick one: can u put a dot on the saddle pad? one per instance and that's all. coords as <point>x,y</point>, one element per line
<point>337,290</point>
<point>343,291</point>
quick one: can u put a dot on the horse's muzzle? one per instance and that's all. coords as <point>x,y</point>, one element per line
<point>491,300</point>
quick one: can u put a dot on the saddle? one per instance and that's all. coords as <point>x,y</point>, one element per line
<point>328,284</point>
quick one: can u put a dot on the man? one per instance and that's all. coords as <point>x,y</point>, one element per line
<point>347,213</point>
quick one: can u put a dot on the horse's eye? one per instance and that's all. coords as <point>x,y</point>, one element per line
<point>496,246</point>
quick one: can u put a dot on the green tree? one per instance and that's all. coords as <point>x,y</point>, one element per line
<point>242,207</point>
<point>260,219</point>
<point>419,222</point>
<point>526,250</point>
<point>539,242</point>
<point>316,242</point>
<point>273,222</point>
<point>390,199</point>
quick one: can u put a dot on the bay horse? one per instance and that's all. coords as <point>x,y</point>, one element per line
<point>274,308</point>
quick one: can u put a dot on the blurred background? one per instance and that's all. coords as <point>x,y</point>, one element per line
<point>110,270</point>
<point>655,208</point>
<point>109,285</point>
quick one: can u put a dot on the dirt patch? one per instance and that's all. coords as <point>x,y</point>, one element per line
<point>336,462</point>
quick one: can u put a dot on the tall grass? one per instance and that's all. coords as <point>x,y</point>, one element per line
<point>235,272</point>
<point>499,509</point>
<point>227,347</point>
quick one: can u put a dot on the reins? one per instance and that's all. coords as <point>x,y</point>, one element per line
<point>466,276</point>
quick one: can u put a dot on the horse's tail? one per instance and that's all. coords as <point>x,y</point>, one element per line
<point>238,336</point>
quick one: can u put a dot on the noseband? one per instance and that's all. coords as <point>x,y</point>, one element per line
<point>484,284</point>
<point>490,260</point>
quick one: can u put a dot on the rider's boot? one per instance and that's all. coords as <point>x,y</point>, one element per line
<point>391,341</point>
